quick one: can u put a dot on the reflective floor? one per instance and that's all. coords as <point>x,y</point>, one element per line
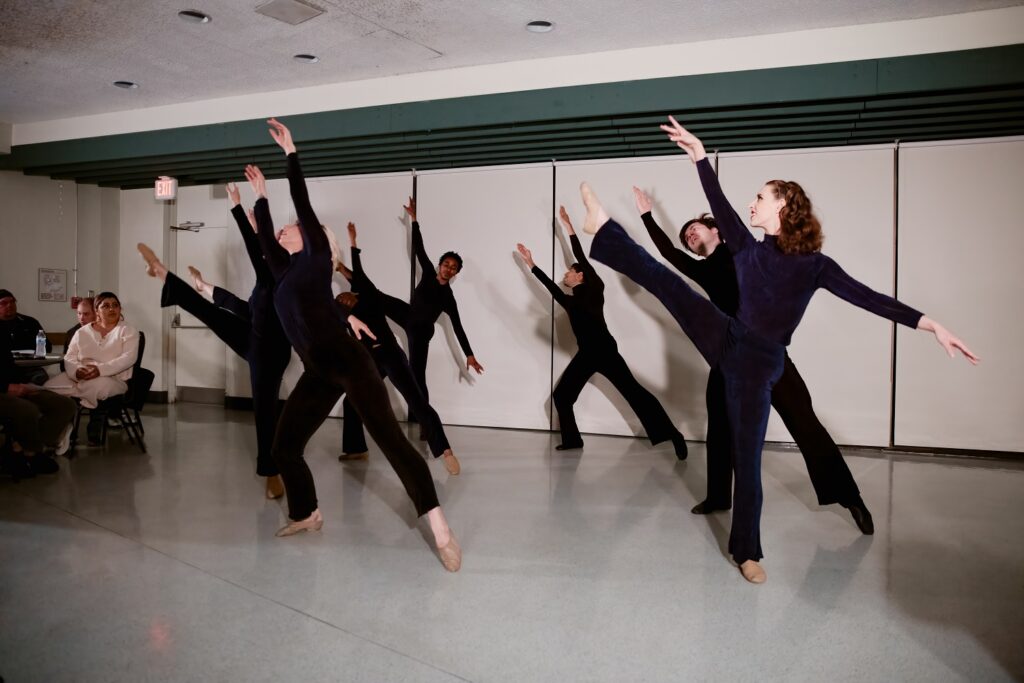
<point>579,567</point>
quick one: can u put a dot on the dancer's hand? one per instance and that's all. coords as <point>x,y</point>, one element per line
<point>233,194</point>
<point>525,253</point>
<point>471,363</point>
<point>352,233</point>
<point>643,200</point>
<point>947,340</point>
<point>564,216</point>
<point>686,140</point>
<point>282,136</point>
<point>252,219</point>
<point>411,208</point>
<point>255,177</point>
<point>360,328</point>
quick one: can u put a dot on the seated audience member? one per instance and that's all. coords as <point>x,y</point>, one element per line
<point>86,312</point>
<point>36,422</point>
<point>98,360</point>
<point>20,331</point>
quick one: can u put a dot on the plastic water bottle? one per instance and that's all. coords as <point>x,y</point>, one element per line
<point>40,344</point>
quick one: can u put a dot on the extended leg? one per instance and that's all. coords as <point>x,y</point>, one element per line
<point>576,375</point>
<point>652,415</point>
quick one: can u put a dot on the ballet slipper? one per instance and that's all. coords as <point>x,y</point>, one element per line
<point>197,279</point>
<point>275,487</point>
<point>706,507</point>
<point>862,517</point>
<point>596,215</point>
<point>349,457</point>
<point>153,266</point>
<point>451,554</point>
<point>753,572</point>
<point>451,463</point>
<point>314,522</point>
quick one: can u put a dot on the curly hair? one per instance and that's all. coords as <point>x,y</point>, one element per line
<point>454,256</point>
<point>801,230</point>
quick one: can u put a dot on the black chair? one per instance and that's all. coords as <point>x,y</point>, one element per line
<point>125,407</point>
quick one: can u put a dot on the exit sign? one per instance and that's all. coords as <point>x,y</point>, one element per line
<point>166,188</point>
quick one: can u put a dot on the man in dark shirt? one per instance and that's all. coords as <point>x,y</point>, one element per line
<point>715,272</point>
<point>598,352</point>
<point>20,331</point>
<point>86,313</point>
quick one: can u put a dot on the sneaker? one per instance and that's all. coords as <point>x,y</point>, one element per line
<point>64,443</point>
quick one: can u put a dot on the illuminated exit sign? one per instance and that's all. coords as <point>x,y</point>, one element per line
<point>166,188</point>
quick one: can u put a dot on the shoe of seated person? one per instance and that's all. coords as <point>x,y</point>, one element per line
<point>43,464</point>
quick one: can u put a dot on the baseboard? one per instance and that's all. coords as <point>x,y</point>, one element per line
<point>201,395</point>
<point>238,402</point>
<point>156,397</point>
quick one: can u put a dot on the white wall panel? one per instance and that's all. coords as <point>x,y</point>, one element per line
<point>481,214</point>
<point>960,243</point>
<point>661,357</point>
<point>842,352</point>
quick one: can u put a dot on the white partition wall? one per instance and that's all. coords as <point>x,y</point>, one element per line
<point>482,213</point>
<point>842,352</point>
<point>960,243</point>
<point>661,357</point>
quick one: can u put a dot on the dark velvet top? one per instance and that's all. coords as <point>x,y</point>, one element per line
<point>775,288</point>
<point>312,320</point>
<point>715,274</point>
<point>261,313</point>
<point>371,306</point>
<point>431,298</point>
<point>585,305</point>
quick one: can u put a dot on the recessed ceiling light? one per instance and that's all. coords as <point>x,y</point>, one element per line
<point>539,26</point>
<point>127,85</point>
<point>195,16</point>
<point>306,59</point>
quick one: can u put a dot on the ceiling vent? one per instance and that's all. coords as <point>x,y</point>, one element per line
<point>289,11</point>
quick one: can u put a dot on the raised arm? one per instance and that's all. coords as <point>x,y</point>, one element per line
<point>277,257</point>
<point>730,226</point>
<point>313,238</point>
<point>688,266</point>
<point>590,276</point>
<point>247,227</point>
<point>418,250</point>
<point>555,290</point>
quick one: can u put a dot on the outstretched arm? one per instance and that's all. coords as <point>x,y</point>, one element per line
<point>590,276</point>
<point>452,309</point>
<point>690,267</point>
<point>418,250</point>
<point>277,257</point>
<point>555,290</point>
<point>313,238</point>
<point>730,225</point>
<point>247,227</point>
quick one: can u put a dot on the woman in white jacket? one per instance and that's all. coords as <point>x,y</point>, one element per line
<point>99,360</point>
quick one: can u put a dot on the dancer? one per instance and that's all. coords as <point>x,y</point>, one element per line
<point>249,328</point>
<point>368,304</point>
<point>716,274</point>
<point>302,258</point>
<point>432,297</point>
<point>777,278</point>
<point>598,352</point>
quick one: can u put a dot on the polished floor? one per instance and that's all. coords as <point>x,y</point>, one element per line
<point>578,567</point>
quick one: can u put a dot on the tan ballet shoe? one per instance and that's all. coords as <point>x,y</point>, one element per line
<point>451,463</point>
<point>197,279</point>
<point>314,522</point>
<point>753,572</point>
<point>451,554</point>
<point>350,457</point>
<point>596,216</point>
<point>149,256</point>
<point>275,487</point>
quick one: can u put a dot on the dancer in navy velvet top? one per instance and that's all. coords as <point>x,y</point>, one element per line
<point>302,258</point>
<point>776,278</point>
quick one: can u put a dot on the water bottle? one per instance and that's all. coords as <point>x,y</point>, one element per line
<point>40,344</point>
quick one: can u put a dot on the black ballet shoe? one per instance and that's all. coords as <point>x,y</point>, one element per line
<point>861,517</point>
<point>679,441</point>
<point>569,446</point>
<point>706,508</point>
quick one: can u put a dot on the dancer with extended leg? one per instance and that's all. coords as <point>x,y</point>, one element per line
<point>251,329</point>
<point>302,258</point>
<point>367,303</point>
<point>777,278</point>
<point>598,352</point>
<point>716,274</point>
<point>432,297</point>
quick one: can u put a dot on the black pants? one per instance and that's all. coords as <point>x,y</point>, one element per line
<point>419,346</point>
<point>393,364</point>
<point>610,363</point>
<point>749,364</point>
<point>267,355</point>
<point>830,477</point>
<point>345,368</point>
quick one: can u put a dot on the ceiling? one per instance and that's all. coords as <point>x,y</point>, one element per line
<point>58,58</point>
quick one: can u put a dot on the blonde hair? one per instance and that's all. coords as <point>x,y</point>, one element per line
<point>335,249</point>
